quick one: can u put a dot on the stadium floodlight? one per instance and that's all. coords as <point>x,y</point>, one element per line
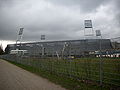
<point>19,37</point>
<point>88,28</point>
<point>42,37</point>
<point>98,33</point>
<point>20,34</point>
<point>88,23</point>
<point>21,31</point>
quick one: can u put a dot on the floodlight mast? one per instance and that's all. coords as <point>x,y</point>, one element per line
<point>88,25</point>
<point>19,37</point>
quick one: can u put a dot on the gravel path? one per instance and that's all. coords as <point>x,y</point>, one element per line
<point>15,78</point>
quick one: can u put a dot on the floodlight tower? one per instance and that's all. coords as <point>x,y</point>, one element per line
<point>19,37</point>
<point>88,28</point>
<point>42,37</point>
<point>88,31</point>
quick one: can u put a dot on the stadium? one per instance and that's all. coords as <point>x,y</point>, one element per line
<point>67,48</point>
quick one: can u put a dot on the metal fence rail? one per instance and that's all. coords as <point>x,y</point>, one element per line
<point>85,69</point>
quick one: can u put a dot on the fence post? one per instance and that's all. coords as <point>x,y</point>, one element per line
<point>101,65</point>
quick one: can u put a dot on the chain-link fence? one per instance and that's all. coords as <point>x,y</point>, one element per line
<point>83,69</point>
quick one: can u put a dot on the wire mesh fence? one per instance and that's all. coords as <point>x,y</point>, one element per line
<point>83,69</point>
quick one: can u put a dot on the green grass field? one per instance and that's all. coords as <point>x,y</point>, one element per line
<point>76,74</point>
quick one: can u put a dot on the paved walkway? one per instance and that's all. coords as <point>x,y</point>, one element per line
<point>15,78</point>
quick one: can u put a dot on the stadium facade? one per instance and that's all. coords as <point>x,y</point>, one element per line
<point>76,48</point>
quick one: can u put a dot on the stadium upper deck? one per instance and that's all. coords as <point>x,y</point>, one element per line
<point>68,47</point>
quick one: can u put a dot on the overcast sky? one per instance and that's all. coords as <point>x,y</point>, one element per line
<point>57,19</point>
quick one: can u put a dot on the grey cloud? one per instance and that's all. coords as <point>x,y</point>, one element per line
<point>6,3</point>
<point>83,5</point>
<point>57,21</point>
<point>117,4</point>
